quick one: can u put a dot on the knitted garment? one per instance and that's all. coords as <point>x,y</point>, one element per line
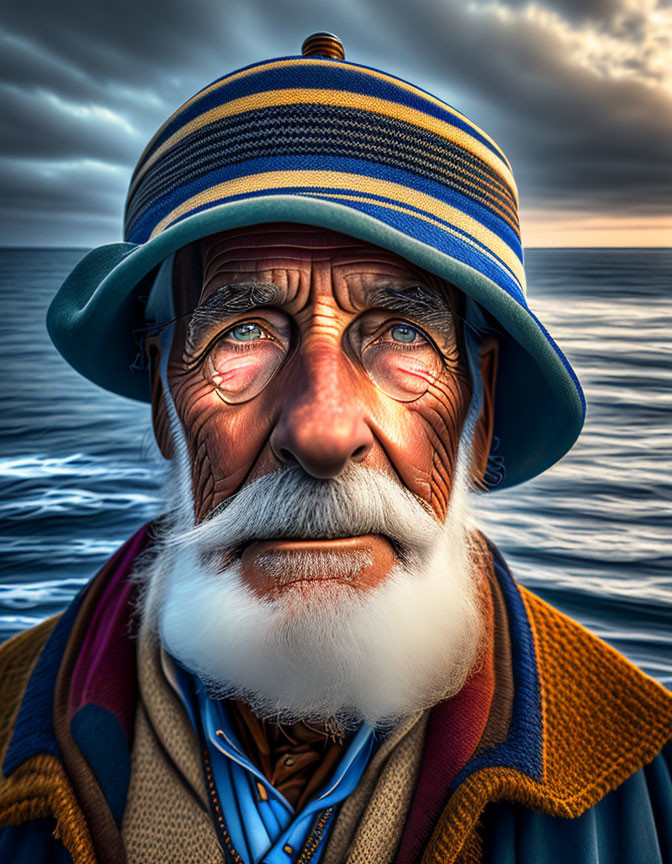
<point>371,820</point>
<point>602,720</point>
<point>39,787</point>
<point>164,822</point>
<point>584,721</point>
<point>167,817</point>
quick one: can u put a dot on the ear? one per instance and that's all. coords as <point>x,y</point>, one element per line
<point>489,351</point>
<point>160,419</point>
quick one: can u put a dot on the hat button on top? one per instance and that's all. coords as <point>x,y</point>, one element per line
<point>323,45</point>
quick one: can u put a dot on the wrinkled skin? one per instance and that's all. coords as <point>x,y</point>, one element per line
<point>320,408</point>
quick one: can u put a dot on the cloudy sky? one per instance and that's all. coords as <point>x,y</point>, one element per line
<point>578,93</point>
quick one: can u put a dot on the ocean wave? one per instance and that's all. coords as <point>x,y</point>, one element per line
<point>74,502</point>
<point>36,594</point>
<point>11,624</point>
<point>47,549</point>
<point>32,466</point>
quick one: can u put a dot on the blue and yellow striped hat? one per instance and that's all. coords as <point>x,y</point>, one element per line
<point>318,140</point>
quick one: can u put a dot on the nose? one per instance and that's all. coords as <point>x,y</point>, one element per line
<point>322,424</point>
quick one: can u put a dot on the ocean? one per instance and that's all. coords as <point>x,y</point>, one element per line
<point>79,472</point>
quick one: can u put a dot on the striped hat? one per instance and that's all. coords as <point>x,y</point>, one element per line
<point>318,140</point>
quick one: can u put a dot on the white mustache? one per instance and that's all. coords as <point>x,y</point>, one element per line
<point>291,504</point>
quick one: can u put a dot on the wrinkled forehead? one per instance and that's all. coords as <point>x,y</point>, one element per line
<point>204,265</point>
<point>294,243</point>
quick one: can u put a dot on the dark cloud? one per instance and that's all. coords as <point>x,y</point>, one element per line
<point>573,136</point>
<point>632,26</point>
<point>84,86</point>
<point>125,41</point>
<point>603,11</point>
<point>62,188</point>
<point>39,124</point>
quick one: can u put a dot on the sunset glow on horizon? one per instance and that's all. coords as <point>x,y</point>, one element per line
<point>548,230</point>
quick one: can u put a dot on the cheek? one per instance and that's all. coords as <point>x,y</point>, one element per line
<point>421,439</point>
<point>224,440</point>
<point>443,418</point>
<point>241,375</point>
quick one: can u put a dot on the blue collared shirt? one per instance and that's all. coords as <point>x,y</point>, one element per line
<point>262,824</point>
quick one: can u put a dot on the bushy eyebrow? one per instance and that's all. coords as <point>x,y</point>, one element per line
<point>228,300</point>
<point>426,305</point>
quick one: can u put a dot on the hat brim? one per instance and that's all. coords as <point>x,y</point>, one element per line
<point>96,316</point>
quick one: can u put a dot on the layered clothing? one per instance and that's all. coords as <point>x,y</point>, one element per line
<point>555,746</point>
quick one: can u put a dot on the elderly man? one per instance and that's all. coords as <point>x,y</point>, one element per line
<point>313,654</point>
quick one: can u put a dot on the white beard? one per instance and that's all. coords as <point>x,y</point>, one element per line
<point>335,653</point>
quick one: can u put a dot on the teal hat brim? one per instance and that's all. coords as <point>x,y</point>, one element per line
<point>97,315</point>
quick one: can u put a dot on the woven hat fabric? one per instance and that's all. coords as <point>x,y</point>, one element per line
<point>345,133</point>
<point>330,143</point>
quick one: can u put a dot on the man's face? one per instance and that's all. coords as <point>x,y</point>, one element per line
<point>307,347</point>
<point>316,558</point>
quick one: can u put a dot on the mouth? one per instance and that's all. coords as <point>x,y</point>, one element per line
<point>361,562</point>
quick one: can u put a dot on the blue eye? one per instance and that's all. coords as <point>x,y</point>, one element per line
<point>247,332</point>
<point>403,333</point>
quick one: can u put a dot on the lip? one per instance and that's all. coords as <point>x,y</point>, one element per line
<point>372,557</point>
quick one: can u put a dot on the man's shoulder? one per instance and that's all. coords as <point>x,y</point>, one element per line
<point>631,823</point>
<point>584,677</point>
<point>603,718</point>
<point>18,657</point>
<point>585,721</point>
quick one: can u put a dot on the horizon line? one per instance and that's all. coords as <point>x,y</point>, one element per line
<point>525,248</point>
